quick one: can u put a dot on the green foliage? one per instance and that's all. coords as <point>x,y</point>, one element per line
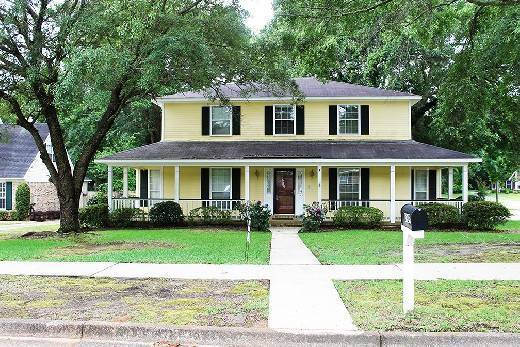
<point>259,214</point>
<point>126,216</point>
<point>484,215</point>
<point>23,202</point>
<point>357,216</point>
<point>166,213</point>
<point>5,216</point>
<point>94,216</point>
<point>313,216</point>
<point>210,215</point>
<point>441,215</point>
<point>100,198</point>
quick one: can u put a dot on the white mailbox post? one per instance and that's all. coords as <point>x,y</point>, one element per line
<point>413,223</point>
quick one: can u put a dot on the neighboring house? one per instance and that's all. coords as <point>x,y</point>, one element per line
<point>20,162</point>
<point>513,182</point>
<point>343,144</point>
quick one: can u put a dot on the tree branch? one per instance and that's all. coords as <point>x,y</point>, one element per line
<point>189,7</point>
<point>338,12</point>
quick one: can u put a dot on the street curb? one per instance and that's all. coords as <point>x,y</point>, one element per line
<point>242,336</point>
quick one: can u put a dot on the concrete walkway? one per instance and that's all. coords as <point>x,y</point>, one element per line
<point>299,301</point>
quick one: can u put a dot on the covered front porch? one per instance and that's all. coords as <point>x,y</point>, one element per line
<point>286,188</point>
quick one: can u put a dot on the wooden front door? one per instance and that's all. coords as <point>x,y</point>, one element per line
<point>284,191</point>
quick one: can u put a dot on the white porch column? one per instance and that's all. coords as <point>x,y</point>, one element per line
<point>438,182</point>
<point>465,183</point>
<point>110,189</point>
<point>392,193</point>
<point>125,182</point>
<point>177,183</point>
<point>247,183</point>
<point>450,183</point>
<point>319,185</point>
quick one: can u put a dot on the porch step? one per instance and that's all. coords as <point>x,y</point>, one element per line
<point>285,221</point>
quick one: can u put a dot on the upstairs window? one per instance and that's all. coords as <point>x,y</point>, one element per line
<point>284,119</point>
<point>220,123</point>
<point>421,185</point>
<point>349,184</point>
<point>349,119</point>
<point>220,184</point>
<point>3,194</point>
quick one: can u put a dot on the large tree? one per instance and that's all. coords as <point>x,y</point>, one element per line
<point>80,63</point>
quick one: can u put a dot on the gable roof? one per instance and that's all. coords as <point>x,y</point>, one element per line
<point>17,149</point>
<point>310,88</point>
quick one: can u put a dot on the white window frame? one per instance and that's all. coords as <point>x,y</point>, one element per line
<point>4,197</point>
<point>427,184</point>
<point>337,181</point>
<point>161,196</point>
<point>274,119</point>
<point>359,120</point>
<point>230,182</point>
<point>211,121</point>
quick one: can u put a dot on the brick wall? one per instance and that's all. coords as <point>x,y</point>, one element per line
<point>44,195</point>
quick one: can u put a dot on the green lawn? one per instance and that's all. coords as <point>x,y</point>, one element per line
<point>147,246</point>
<point>483,306</point>
<point>385,247</point>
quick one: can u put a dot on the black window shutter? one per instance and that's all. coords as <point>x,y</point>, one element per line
<point>205,120</point>
<point>143,187</point>
<point>432,184</point>
<point>204,183</point>
<point>365,184</point>
<point>333,119</point>
<point>236,120</point>
<point>235,178</point>
<point>300,120</point>
<point>269,120</point>
<point>412,181</point>
<point>8,196</point>
<point>333,184</point>
<point>365,119</point>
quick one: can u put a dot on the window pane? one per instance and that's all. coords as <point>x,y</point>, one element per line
<point>2,195</point>
<point>221,183</point>
<point>284,119</point>
<point>421,184</point>
<point>348,184</point>
<point>221,120</point>
<point>155,184</point>
<point>348,118</point>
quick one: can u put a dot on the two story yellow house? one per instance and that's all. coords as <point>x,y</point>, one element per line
<point>341,144</point>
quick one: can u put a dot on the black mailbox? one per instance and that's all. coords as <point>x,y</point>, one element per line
<point>413,218</point>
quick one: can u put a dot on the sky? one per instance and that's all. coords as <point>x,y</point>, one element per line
<point>260,13</point>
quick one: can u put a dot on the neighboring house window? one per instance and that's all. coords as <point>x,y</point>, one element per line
<point>220,184</point>
<point>50,151</point>
<point>284,119</point>
<point>421,185</point>
<point>221,120</point>
<point>2,195</point>
<point>349,119</point>
<point>155,184</point>
<point>349,187</point>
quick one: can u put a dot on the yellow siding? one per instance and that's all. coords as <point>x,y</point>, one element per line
<point>190,182</point>
<point>256,184</point>
<point>168,182</point>
<point>388,120</point>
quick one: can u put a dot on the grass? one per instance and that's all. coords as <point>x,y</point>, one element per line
<point>385,247</point>
<point>482,306</point>
<point>163,301</point>
<point>147,246</point>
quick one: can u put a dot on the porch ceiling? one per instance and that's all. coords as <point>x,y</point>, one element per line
<point>289,151</point>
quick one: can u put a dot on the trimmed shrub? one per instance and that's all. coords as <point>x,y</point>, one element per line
<point>210,215</point>
<point>441,215</point>
<point>23,202</point>
<point>313,216</point>
<point>259,214</point>
<point>485,215</point>
<point>94,216</point>
<point>125,217</point>
<point>4,215</point>
<point>100,198</point>
<point>357,216</point>
<point>40,216</point>
<point>166,213</point>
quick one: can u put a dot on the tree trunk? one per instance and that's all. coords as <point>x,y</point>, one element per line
<point>497,189</point>
<point>69,206</point>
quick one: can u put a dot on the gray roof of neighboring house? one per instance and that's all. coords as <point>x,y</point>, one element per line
<point>17,149</point>
<point>223,150</point>
<point>308,86</point>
